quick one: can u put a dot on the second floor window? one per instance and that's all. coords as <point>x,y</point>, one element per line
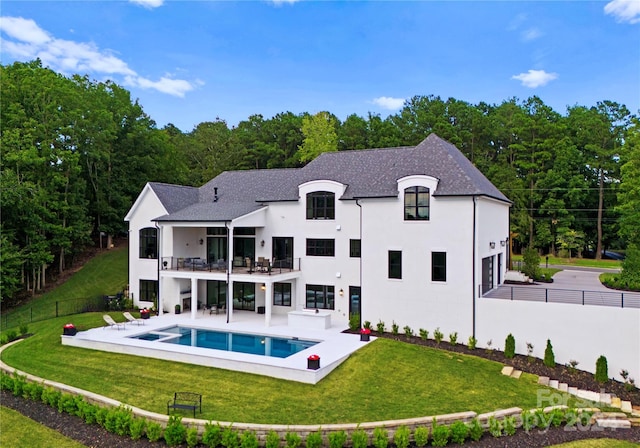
<point>354,248</point>
<point>321,247</point>
<point>321,205</point>
<point>416,204</point>
<point>149,242</point>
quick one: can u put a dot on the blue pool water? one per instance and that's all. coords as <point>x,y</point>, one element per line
<point>235,342</point>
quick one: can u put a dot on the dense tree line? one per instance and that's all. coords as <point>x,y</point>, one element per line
<point>76,153</point>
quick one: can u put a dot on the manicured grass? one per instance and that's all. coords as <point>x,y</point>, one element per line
<point>18,431</point>
<point>585,262</point>
<point>104,274</point>
<point>384,380</point>
<point>598,443</point>
<point>549,272</point>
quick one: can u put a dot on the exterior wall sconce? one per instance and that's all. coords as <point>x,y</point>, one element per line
<point>503,243</point>
<point>201,241</point>
<point>492,244</point>
<point>341,292</point>
<point>262,243</point>
<point>263,287</point>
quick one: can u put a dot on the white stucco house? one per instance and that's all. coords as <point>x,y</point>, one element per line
<point>411,235</point>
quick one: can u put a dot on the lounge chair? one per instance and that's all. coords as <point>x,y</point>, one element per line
<point>138,321</point>
<point>112,323</point>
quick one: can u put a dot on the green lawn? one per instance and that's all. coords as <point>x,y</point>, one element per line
<point>384,380</point>
<point>104,274</point>
<point>18,431</point>
<point>598,443</point>
<point>585,262</point>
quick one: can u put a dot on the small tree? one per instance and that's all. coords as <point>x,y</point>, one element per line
<point>602,373</point>
<point>531,263</point>
<point>630,275</point>
<point>549,357</point>
<point>510,347</point>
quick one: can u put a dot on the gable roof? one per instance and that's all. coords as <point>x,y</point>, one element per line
<point>370,173</point>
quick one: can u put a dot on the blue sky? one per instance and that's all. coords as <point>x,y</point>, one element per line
<point>193,61</point>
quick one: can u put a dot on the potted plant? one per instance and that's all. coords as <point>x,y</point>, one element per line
<point>313,362</point>
<point>69,330</point>
<point>365,334</point>
<point>178,308</point>
<point>145,313</point>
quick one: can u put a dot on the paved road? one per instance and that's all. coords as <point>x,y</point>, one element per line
<point>585,279</point>
<point>581,268</point>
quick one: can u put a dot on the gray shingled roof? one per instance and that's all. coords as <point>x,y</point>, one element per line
<point>367,173</point>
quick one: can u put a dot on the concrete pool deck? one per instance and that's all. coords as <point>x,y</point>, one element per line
<point>333,346</point>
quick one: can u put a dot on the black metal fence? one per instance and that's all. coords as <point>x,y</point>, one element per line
<point>619,299</point>
<point>28,314</point>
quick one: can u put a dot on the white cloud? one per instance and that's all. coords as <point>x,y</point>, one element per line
<point>624,10</point>
<point>282,2</point>
<point>387,102</point>
<point>149,4</point>
<point>535,78</point>
<point>531,34</point>
<point>28,41</point>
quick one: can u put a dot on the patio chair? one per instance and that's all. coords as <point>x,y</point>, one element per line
<point>134,320</point>
<point>112,323</point>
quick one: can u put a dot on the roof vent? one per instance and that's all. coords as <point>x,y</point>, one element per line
<point>215,194</point>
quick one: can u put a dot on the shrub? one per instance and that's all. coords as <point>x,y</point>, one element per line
<point>472,342</point>
<point>19,382</point>
<point>509,347</point>
<point>380,437</point>
<point>24,329</point>
<point>395,328</point>
<point>408,331</point>
<point>571,365</point>
<point>459,432</point>
<point>124,417</point>
<point>136,429</point>
<point>401,437</point>
<point>440,434</point>
<point>437,335</point>
<point>3,339</point>
<point>421,436</point>
<point>453,338</point>
<point>602,374</point>
<point>212,434</point>
<point>509,425</point>
<point>531,263</point>
<point>51,396</point>
<point>67,404</point>
<point>529,420</point>
<point>154,431</point>
<point>424,334</point>
<point>475,430</point>
<point>11,335</point>
<point>549,357</point>
<point>337,439</point>
<point>248,439</point>
<point>359,439</point>
<point>88,412</point>
<point>109,421</point>
<point>175,433</point>
<point>354,322</point>
<point>529,351</point>
<point>273,439</point>
<point>230,437</point>
<point>101,415</point>
<point>380,327</point>
<point>495,427</point>
<point>292,440</point>
<point>556,417</point>
<point>367,325</point>
<point>314,440</point>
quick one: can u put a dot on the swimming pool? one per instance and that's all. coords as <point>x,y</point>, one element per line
<point>254,344</point>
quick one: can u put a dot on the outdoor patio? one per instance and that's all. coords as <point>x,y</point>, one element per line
<point>333,346</point>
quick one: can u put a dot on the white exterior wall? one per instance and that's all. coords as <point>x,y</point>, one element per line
<point>577,332</point>
<point>492,222</point>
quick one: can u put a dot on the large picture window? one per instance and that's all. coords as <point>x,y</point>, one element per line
<point>395,264</point>
<point>149,242</point>
<point>321,205</point>
<point>320,296</point>
<point>282,294</point>
<point>416,203</point>
<point>321,247</point>
<point>439,266</point>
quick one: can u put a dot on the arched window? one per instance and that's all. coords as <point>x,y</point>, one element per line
<point>149,242</point>
<point>416,203</point>
<point>321,205</point>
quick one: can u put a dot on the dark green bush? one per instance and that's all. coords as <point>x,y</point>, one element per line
<point>453,338</point>
<point>424,334</point>
<point>510,347</point>
<point>367,325</point>
<point>273,439</point>
<point>395,329</point>
<point>292,440</point>
<point>314,440</point>
<point>192,438</point>
<point>380,438</point>
<point>154,431</point>
<point>549,357</point>
<point>556,417</point>
<point>230,437</point>
<point>359,439</point>
<point>212,435</point>
<point>11,335</point>
<point>354,322</point>
<point>337,439</point>
<point>248,439</point>
<point>137,427</point>
<point>380,327</point>
<point>529,420</point>
<point>401,437</point>
<point>602,371</point>
<point>408,331</point>
<point>19,382</point>
<point>437,335</point>
<point>24,329</point>
<point>51,396</point>
<point>531,263</point>
<point>459,432</point>
<point>440,434</point>
<point>421,436</point>
<point>475,430</point>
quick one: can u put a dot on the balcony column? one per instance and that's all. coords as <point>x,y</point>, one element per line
<point>230,302</point>
<point>268,300</point>
<point>194,298</point>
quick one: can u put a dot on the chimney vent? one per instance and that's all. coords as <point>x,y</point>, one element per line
<point>215,194</point>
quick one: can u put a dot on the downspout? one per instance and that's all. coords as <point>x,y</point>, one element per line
<point>159,240</point>
<point>473,267</point>
<point>229,267</point>
<point>360,274</point>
